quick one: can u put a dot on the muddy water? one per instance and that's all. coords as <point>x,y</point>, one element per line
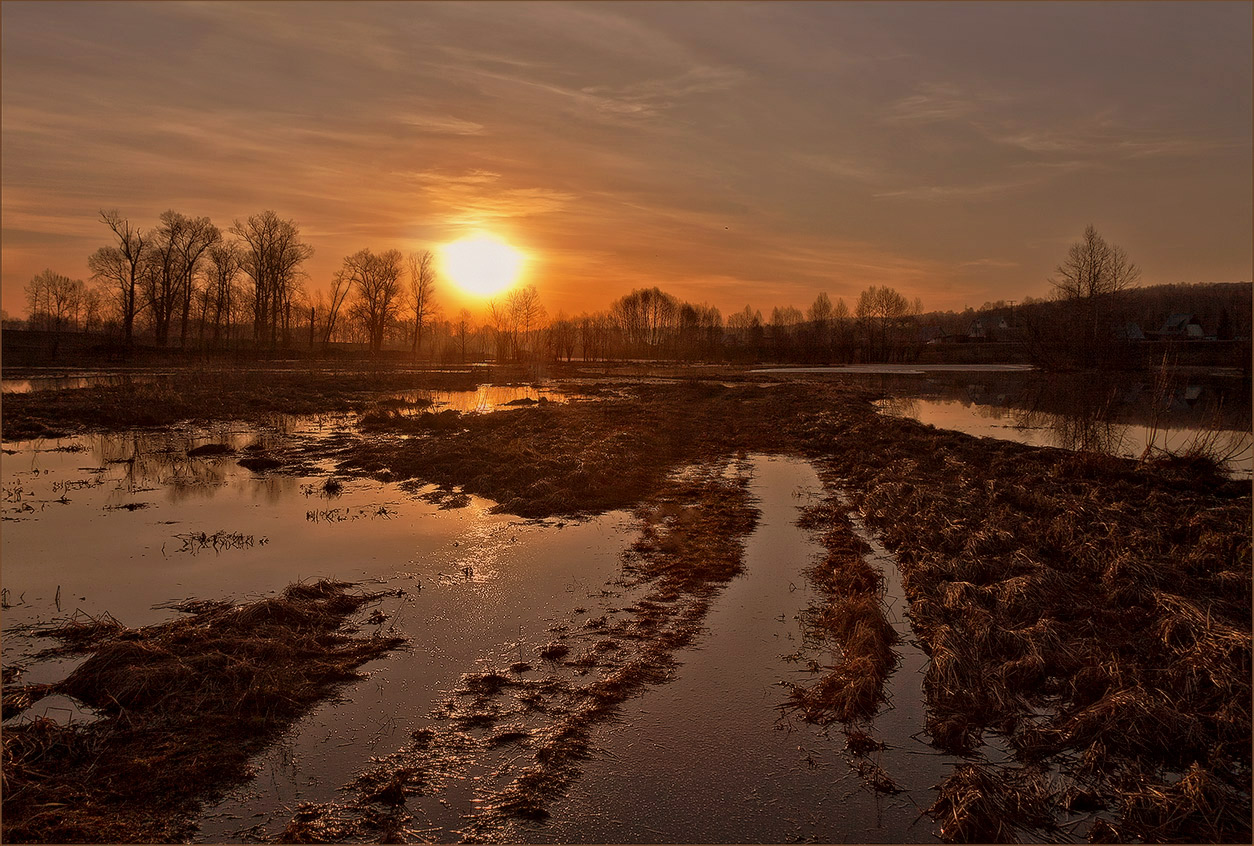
<point>712,757</point>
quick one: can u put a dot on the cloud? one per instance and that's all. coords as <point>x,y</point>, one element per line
<point>937,102</point>
<point>843,167</point>
<point>983,190</point>
<point>654,95</point>
<point>477,197</point>
<point>442,124</point>
<point>988,262</point>
<point>1105,139</point>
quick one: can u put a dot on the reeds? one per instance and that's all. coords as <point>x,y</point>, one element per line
<point>852,619</point>
<point>980,803</point>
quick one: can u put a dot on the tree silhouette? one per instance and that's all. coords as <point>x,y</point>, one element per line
<point>121,267</point>
<point>421,293</point>
<point>1087,281</point>
<point>273,254</point>
<point>377,281</point>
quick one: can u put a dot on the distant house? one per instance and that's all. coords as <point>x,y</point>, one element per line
<point>1180,327</point>
<point>1129,332</point>
<point>986,328</point>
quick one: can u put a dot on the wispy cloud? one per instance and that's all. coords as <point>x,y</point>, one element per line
<point>654,95</point>
<point>844,167</point>
<point>975,191</point>
<point>1103,138</point>
<point>478,197</point>
<point>441,124</point>
<point>988,262</point>
<point>937,102</point>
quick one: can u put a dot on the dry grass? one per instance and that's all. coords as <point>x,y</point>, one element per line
<point>981,804</point>
<point>1095,611</point>
<point>185,704</point>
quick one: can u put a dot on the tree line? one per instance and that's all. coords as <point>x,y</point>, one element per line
<point>186,284</point>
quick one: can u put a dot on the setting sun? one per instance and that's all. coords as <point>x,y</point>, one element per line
<point>482,264</point>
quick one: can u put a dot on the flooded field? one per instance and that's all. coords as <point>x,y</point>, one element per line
<point>1130,415</point>
<point>694,659</point>
<point>129,524</point>
<point>779,779</point>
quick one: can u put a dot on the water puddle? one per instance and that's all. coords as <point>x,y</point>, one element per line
<point>711,757</point>
<point>486,398</point>
<point>1070,431</point>
<point>489,602</point>
<point>900,369</point>
<point>127,524</point>
<point>61,381</point>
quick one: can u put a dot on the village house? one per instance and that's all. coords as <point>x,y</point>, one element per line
<point>1180,327</point>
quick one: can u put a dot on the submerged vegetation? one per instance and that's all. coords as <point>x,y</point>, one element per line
<point>1089,614</point>
<point>183,706</point>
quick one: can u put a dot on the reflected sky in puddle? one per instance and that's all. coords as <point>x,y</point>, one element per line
<point>99,524</point>
<point>463,585</point>
<point>484,399</point>
<point>709,757</point>
<point>470,590</point>
<point>1128,439</point>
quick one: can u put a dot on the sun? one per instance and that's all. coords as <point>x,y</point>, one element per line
<point>482,264</point>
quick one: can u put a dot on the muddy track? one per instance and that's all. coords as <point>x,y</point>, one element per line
<point>525,730</point>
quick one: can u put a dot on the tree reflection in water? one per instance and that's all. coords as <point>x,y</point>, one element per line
<point>1126,414</point>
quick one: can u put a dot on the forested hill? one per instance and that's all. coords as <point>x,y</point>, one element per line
<point>1223,309</point>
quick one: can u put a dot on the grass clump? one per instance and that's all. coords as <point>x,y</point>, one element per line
<point>185,704</point>
<point>853,618</point>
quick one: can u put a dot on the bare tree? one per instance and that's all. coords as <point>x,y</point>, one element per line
<point>195,237</point>
<point>93,308</point>
<point>879,311</point>
<point>273,254</point>
<point>647,317</point>
<point>784,323</point>
<point>177,247</point>
<point>421,293</point>
<point>503,329</point>
<point>462,329</point>
<point>226,261</point>
<point>820,316</point>
<point>120,267</point>
<point>341,284</point>
<point>54,300</point>
<point>842,334</point>
<point>745,327</point>
<point>377,281</point>
<point>563,333</point>
<point>526,313</point>
<point>1087,281</point>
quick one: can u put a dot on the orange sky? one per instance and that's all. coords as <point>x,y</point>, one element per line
<point>730,153</point>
